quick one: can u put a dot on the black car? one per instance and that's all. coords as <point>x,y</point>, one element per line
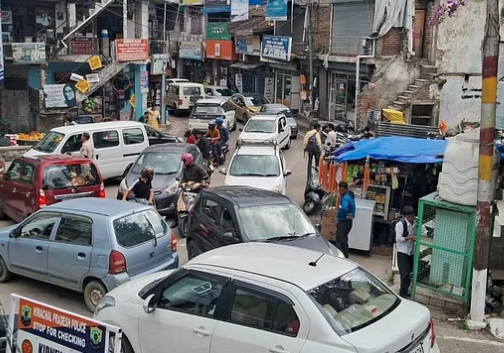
<point>268,109</point>
<point>227,215</point>
<point>165,159</point>
<point>157,137</point>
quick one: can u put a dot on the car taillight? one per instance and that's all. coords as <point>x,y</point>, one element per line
<point>102,191</point>
<point>117,262</point>
<point>42,201</point>
<point>433,334</point>
<point>173,242</point>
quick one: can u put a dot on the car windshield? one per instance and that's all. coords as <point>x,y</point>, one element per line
<point>289,221</point>
<point>225,92</point>
<point>353,301</point>
<point>163,163</point>
<point>139,227</point>
<point>207,109</point>
<point>256,101</point>
<point>50,142</point>
<point>261,126</point>
<point>73,175</point>
<point>256,166</point>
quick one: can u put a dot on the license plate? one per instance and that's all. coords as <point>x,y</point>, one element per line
<point>417,349</point>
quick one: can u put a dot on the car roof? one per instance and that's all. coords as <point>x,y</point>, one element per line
<point>246,196</point>
<point>217,87</point>
<point>97,126</point>
<point>258,150</point>
<point>174,147</point>
<point>178,80</point>
<point>274,106</point>
<point>284,263</point>
<point>185,83</point>
<point>54,159</point>
<point>104,207</point>
<point>211,101</point>
<point>267,116</point>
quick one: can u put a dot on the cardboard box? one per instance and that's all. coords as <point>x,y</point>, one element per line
<point>329,224</point>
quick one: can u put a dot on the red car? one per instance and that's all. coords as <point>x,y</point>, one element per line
<point>32,183</point>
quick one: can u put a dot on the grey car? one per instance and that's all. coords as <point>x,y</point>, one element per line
<point>89,246</point>
<point>268,109</point>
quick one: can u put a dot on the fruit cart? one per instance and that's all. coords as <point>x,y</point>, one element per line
<point>30,139</point>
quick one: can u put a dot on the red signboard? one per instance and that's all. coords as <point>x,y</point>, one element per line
<point>132,49</point>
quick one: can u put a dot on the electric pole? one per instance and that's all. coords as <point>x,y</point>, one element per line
<point>485,168</point>
<point>310,54</point>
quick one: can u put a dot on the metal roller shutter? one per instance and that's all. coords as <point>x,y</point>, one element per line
<point>351,22</point>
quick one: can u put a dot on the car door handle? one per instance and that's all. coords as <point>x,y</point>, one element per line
<point>96,157</point>
<point>81,255</point>
<point>201,331</point>
<point>28,194</point>
<point>278,349</point>
<point>39,249</point>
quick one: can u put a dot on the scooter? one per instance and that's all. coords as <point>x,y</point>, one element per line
<point>313,194</point>
<point>188,193</point>
<point>224,152</point>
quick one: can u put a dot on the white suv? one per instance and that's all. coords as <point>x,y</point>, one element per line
<point>267,128</point>
<point>260,165</point>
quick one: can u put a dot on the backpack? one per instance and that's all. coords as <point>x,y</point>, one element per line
<point>392,236</point>
<point>312,145</point>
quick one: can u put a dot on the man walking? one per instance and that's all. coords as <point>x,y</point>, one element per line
<point>346,214</point>
<point>330,143</point>
<point>87,149</point>
<point>405,236</point>
<point>313,146</point>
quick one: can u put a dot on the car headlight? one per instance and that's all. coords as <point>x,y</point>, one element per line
<point>172,188</point>
<point>106,302</point>
<point>278,188</point>
<point>123,186</point>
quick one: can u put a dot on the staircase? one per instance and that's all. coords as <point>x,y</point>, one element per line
<point>106,74</point>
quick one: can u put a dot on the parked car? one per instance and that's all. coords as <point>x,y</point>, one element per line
<point>169,81</point>
<point>280,108</point>
<point>267,128</point>
<point>266,298</point>
<point>227,215</point>
<point>246,105</point>
<point>32,183</point>
<point>181,96</point>
<point>116,144</point>
<point>208,109</point>
<point>260,165</point>
<point>90,247</point>
<point>157,137</point>
<point>165,159</point>
<point>217,91</point>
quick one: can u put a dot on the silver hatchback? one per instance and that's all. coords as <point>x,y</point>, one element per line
<point>89,246</point>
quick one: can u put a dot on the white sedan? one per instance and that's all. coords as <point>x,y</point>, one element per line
<point>259,298</point>
<point>267,128</point>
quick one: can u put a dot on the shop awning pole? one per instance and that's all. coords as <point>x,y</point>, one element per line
<point>486,155</point>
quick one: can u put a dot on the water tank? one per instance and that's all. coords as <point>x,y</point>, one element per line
<point>458,181</point>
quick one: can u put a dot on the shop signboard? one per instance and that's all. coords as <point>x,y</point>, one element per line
<point>249,45</point>
<point>28,53</point>
<point>40,327</point>
<point>59,96</point>
<point>144,82</point>
<point>190,50</point>
<point>132,49</point>
<point>276,10</point>
<point>215,3</point>
<point>1,50</point>
<point>192,2</point>
<point>159,63</point>
<point>217,31</point>
<point>269,89</point>
<point>276,48</point>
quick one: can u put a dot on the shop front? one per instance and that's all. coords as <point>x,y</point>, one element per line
<point>194,66</point>
<point>250,70</point>
<point>220,49</point>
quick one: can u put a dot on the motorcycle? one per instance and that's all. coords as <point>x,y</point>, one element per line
<point>188,193</point>
<point>224,152</point>
<point>313,193</point>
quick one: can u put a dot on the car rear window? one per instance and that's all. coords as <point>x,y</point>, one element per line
<point>353,301</point>
<point>191,91</point>
<point>139,228</point>
<point>70,175</point>
<point>207,109</point>
<point>50,142</point>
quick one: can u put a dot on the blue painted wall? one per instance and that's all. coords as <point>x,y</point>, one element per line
<point>52,68</point>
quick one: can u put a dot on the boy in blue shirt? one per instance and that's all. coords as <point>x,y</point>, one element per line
<point>346,214</point>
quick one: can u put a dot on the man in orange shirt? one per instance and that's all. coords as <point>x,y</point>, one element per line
<point>214,136</point>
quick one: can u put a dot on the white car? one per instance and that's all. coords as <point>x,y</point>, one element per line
<point>260,165</point>
<point>267,128</point>
<point>260,298</point>
<point>208,109</point>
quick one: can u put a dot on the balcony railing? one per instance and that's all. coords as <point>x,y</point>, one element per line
<point>159,47</point>
<point>351,46</point>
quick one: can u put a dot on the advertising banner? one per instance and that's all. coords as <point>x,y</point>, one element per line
<point>59,96</point>
<point>190,50</point>
<point>40,328</point>
<point>159,63</point>
<point>276,48</point>
<point>192,2</point>
<point>215,3</point>
<point>132,49</point>
<point>28,53</point>
<point>217,31</point>
<point>239,10</point>
<point>249,45</point>
<point>276,10</point>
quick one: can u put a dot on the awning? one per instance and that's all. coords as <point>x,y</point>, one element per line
<point>254,25</point>
<point>246,66</point>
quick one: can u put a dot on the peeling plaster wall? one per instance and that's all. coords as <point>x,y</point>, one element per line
<point>458,59</point>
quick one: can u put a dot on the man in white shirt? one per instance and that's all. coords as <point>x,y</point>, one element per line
<point>405,245</point>
<point>330,142</point>
<point>312,145</point>
<point>87,149</point>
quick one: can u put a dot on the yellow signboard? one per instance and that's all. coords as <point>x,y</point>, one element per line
<point>82,86</point>
<point>192,2</point>
<point>95,62</point>
<point>133,101</point>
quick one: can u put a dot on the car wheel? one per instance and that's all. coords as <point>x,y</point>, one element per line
<point>2,213</point>
<point>309,207</point>
<point>182,227</point>
<point>288,146</point>
<point>93,293</point>
<point>5,274</point>
<point>192,250</point>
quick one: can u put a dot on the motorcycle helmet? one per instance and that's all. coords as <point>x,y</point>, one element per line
<point>187,159</point>
<point>219,121</point>
<point>211,124</point>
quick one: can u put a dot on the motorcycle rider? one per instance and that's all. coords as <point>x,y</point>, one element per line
<point>142,188</point>
<point>204,147</point>
<point>214,135</point>
<point>190,137</point>
<point>224,133</point>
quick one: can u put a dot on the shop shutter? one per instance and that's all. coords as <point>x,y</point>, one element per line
<point>351,22</point>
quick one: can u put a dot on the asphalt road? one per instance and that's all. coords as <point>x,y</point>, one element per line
<point>450,335</point>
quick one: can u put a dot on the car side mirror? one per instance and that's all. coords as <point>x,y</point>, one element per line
<point>14,233</point>
<point>128,168</point>
<point>223,171</point>
<point>229,237</point>
<point>149,304</point>
<point>288,172</point>
<point>319,227</point>
<point>177,178</point>
<point>240,129</point>
<point>6,176</point>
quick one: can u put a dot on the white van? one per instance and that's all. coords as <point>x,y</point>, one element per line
<point>181,96</point>
<point>116,143</point>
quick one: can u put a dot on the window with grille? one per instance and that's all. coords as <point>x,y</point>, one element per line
<point>196,22</point>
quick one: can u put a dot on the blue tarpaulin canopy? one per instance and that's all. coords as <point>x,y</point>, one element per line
<point>396,149</point>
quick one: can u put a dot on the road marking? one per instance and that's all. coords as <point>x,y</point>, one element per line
<point>473,340</point>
